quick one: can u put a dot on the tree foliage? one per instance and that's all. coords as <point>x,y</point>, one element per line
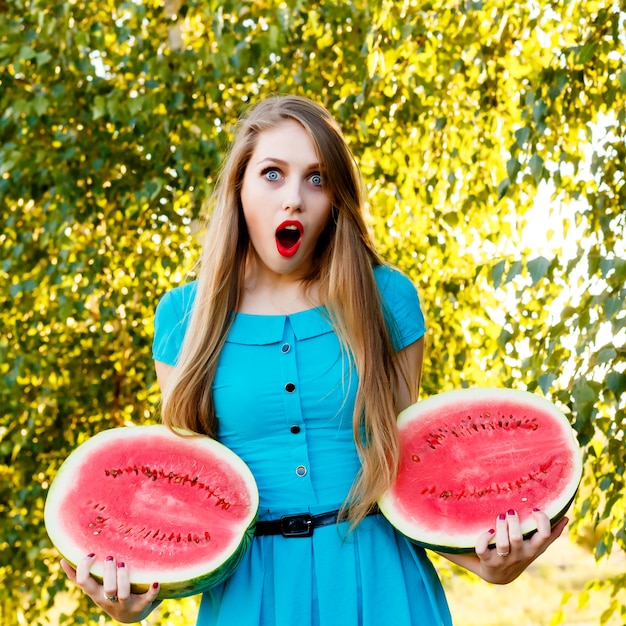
<point>464,117</point>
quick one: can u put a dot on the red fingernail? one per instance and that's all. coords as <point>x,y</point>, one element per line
<point>155,585</point>
<point>91,555</point>
<point>120,564</point>
<point>536,510</point>
<point>511,512</point>
<point>502,516</point>
<point>491,531</point>
<point>109,558</point>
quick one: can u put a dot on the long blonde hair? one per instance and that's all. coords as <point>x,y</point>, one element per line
<point>343,272</point>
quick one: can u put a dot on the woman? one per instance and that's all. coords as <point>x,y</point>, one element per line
<point>297,347</point>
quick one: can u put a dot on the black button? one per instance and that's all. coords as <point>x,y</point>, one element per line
<point>295,429</point>
<point>290,387</point>
<point>285,348</point>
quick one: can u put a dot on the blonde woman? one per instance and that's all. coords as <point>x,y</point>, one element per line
<point>297,347</point>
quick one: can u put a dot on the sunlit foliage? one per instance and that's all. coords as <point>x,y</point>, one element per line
<point>476,124</point>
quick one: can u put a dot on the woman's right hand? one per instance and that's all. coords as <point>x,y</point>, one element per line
<point>113,596</point>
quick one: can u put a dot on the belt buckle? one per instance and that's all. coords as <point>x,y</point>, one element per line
<point>296,525</point>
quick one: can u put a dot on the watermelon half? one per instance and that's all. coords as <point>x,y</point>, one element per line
<point>179,510</point>
<point>469,455</point>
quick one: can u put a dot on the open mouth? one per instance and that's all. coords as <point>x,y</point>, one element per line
<point>288,238</point>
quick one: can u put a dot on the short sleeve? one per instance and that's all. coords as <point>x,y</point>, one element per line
<point>170,323</point>
<point>401,306</point>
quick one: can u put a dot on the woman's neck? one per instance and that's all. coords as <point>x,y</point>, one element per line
<point>280,296</point>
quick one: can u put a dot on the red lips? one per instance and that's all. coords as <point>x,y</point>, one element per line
<point>288,237</point>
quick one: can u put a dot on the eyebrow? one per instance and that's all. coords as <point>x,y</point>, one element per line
<point>278,161</point>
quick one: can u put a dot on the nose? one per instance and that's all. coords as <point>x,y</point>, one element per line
<point>292,198</point>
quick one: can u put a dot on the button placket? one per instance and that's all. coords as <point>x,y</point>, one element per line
<point>293,410</point>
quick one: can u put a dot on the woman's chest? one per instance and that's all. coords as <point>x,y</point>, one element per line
<point>283,381</point>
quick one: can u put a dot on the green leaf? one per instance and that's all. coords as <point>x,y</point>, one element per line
<point>99,107</point>
<point>521,136</point>
<point>503,187</point>
<point>616,382</point>
<point>584,393</point>
<point>7,165</point>
<point>612,306</point>
<point>43,58</point>
<point>40,105</point>
<point>606,265</point>
<point>7,50</point>
<point>536,167</point>
<point>539,110</point>
<point>587,52</point>
<point>26,53</point>
<point>537,268</point>
<point>512,168</point>
<point>496,273</point>
<point>514,270</point>
<point>504,338</point>
<point>620,268</point>
<point>545,382</point>
<point>606,354</point>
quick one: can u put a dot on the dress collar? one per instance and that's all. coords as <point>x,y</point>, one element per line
<point>267,329</point>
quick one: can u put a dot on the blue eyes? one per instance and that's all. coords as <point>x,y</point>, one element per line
<point>274,175</point>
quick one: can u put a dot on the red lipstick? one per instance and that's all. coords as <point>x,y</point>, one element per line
<point>288,237</point>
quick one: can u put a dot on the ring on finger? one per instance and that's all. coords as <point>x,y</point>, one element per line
<point>503,554</point>
<point>111,598</point>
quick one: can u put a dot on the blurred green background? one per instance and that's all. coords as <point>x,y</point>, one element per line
<point>491,137</point>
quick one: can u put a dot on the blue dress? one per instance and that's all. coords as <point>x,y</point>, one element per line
<point>284,396</point>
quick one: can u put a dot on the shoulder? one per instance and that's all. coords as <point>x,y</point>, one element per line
<point>401,305</point>
<point>395,287</point>
<point>178,301</point>
<point>170,322</point>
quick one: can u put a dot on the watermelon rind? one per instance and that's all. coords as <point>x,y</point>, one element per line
<point>450,536</point>
<point>446,548</point>
<point>176,582</point>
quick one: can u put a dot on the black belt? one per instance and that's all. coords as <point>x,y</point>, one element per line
<point>301,525</point>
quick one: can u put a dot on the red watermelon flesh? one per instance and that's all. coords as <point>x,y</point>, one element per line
<point>469,455</point>
<point>175,509</point>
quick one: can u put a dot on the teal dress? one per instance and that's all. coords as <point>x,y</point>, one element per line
<point>284,395</point>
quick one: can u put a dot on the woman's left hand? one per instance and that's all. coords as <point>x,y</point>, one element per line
<point>512,553</point>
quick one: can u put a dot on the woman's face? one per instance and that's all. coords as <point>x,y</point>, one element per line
<point>285,204</point>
